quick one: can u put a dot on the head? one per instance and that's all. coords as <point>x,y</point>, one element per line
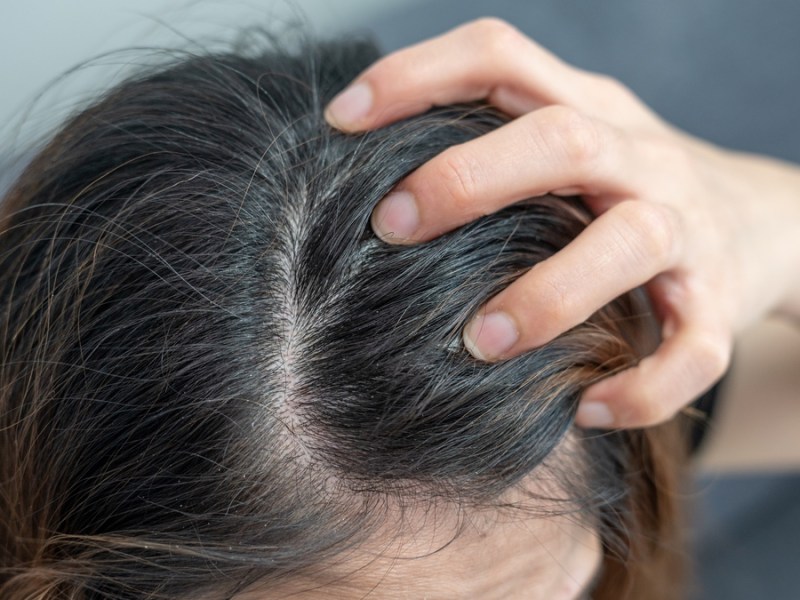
<point>216,382</point>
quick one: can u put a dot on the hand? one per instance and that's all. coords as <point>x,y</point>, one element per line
<point>713,234</point>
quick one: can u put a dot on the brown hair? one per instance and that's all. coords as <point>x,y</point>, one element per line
<point>213,373</point>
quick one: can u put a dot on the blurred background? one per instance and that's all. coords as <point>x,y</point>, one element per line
<point>54,54</point>
<point>42,39</point>
<point>726,70</point>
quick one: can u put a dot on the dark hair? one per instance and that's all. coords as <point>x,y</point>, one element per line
<point>213,373</point>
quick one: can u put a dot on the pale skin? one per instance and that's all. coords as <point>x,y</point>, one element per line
<point>440,553</point>
<point>713,234</point>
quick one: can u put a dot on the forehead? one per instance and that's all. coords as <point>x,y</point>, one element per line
<point>532,544</point>
<point>444,554</point>
<point>503,556</point>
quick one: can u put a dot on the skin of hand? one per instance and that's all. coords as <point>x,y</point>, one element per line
<point>714,234</point>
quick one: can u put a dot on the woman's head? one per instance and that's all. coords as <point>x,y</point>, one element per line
<point>216,378</point>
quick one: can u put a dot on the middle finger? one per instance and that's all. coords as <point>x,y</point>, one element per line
<point>549,149</point>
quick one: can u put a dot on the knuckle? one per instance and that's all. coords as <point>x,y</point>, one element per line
<point>578,136</point>
<point>497,36</point>
<point>458,175</point>
<point>713,357</point>
<point>490,27</point>
<point>553,303</point>
<point>650,231</point>
<point>611,96</point>
<point>611,87</point>
<point>561,299</point>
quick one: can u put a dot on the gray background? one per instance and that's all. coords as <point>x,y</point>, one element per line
<point>41,39</point>
<point>727,70</point>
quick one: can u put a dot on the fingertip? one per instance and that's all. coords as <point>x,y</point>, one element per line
<point>396,218</point>
<point>349,109</point>
<point>489,337</point>
<point>594,415</point>
<point>595,393</point>
<point>605,404</point>
<point>632,403</point>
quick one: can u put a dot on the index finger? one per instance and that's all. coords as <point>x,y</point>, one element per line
<point>487,59</point>
<point>548,149</point>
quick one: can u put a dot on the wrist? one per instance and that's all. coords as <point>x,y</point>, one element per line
<point>784,187</point>
<point>769,221</point>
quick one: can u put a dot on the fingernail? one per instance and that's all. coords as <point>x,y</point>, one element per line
<point>594,415</point>
<point>350,106</point>
<point>489,336</point>
<point>396,217</point>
